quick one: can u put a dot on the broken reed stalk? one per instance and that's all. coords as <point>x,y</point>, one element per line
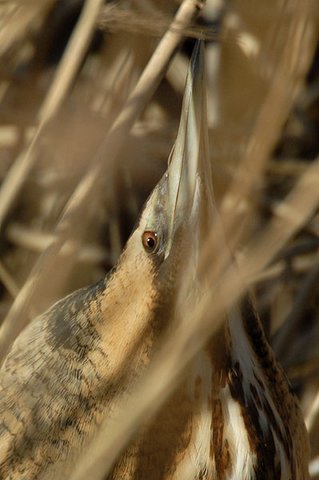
<point>17,317</point>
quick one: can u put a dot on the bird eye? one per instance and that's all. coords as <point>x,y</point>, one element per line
<point>150,241</point>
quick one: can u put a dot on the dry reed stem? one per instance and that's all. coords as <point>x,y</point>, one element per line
<point>236,209</point>
<point>62,81</point>
<point>203,321</point>
<point>297,208</point>
<point>68,67</point>
<point>300,266</point>
<point>286,82</point>
<point>307,290</point>
<point>17,317</point>
<point>8,281</point>
<point>314,467</point>
<point>149,22</point>
<point>15,19</point>
<point>37,241</point>
<point>312,414</point>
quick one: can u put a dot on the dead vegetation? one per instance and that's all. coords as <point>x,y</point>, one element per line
<point>88,117</point>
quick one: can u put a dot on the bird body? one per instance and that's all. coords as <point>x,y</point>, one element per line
<point>232,417</point>
<point>223,422</point>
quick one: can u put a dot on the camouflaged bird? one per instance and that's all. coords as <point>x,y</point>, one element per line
<point>233,415</point>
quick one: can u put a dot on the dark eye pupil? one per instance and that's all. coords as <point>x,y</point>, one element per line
<point>150,242</point>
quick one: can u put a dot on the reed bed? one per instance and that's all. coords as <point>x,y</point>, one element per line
<point>90,102</point>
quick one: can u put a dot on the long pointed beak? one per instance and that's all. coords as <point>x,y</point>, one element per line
<point>189,172</point>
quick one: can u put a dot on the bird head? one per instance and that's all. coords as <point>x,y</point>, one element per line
<point>179,213</point>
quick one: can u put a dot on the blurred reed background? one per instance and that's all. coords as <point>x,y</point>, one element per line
<point>74,174</point>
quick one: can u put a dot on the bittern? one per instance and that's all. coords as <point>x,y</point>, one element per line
<point>233,415</point>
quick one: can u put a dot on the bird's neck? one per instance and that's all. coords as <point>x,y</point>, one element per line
<point>254,400</point>
<point>128,324</point>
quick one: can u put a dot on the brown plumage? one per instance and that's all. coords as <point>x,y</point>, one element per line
<point>233,415</point>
